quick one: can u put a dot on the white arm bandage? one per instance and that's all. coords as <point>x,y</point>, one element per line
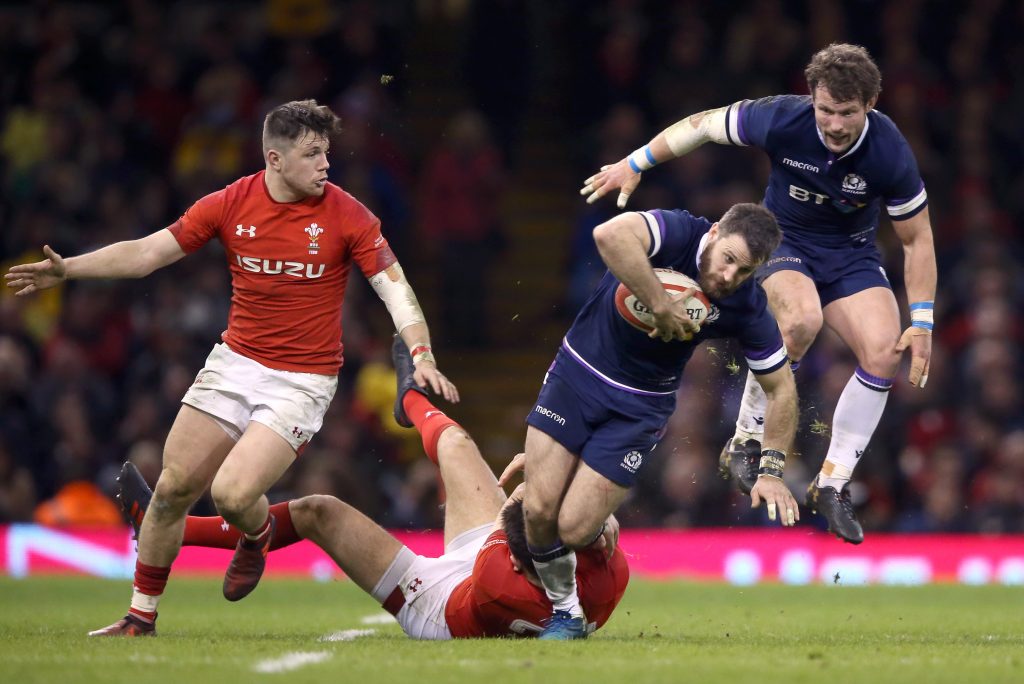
<point>695,130</point>
<point>396,293</point>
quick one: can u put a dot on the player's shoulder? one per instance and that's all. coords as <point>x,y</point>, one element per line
<point>884,129</point>
<point>339,200</point>
<point>780,105</point>
<point>337,195</point>
<point>679,218</point>
<point>246,186</point>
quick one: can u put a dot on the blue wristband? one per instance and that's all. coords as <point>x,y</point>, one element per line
<point>632,165</point>
<point>917,306</point>
<point>922,324</point>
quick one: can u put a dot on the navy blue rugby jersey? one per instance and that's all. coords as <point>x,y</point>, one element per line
<point>816,195</point>
<point>627,358</point>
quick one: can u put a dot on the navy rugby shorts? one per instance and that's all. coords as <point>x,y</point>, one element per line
<point>837,272</point>
<point>612,430</point>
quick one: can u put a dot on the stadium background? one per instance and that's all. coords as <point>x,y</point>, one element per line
<point>469,128</point>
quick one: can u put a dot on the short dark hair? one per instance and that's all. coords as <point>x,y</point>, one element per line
<point>291,120</point>
<point>756,225</point>
<point>513,521</point>
<point>846,71</point>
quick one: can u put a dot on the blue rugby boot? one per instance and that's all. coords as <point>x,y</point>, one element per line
<point>562,626</point>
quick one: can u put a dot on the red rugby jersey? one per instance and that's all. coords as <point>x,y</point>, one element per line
<point>497,601</point>
<point>289,265</point>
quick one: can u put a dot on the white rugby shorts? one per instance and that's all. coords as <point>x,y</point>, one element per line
<point>418,597</point>
<point>236,390</point>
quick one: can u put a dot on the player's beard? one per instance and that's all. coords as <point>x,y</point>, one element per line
<point>712,287</point>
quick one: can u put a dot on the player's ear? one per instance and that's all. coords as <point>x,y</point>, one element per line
<point>871,104</point>
<point>713,233</point>
<point>515,564</point>
<point>274,159</point>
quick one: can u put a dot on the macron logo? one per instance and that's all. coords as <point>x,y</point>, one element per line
<point>803,166</point>
<point>548,413</point>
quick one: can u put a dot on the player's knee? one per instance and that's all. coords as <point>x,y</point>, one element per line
<point>799,331</point>
<point>175,491</point>
<point>311,515</point>
<point>539,513</point>
<point>884,361</point>
<point>576,532</point>
<point>231,500</point>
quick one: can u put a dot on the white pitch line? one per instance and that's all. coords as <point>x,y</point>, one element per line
<point>348,635</point>
<point>381,618</point>
<point>290,661</point>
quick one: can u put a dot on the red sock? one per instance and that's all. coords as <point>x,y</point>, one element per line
<point>150,579</point>
<point>284,533</point>
<point>428,419</point>
<point>215,532</point>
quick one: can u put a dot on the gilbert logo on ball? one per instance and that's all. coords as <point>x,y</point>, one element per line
<point>636,313</point>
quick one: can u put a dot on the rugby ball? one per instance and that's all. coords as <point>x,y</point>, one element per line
<point>636,313</point>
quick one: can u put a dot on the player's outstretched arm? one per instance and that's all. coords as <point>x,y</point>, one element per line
<point>397,294</point>
<point>128,259</point>
<point>920,275</point>
<point>779,430</point>
<point>673,142</point>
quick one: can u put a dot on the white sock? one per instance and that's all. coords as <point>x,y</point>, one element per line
<point>143,603</point>
<point>857,414</point>
<point>559,579</point>
<point>750,421</point>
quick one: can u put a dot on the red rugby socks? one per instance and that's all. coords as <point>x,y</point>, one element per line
<point>429,420</point>
<point>215,532</point>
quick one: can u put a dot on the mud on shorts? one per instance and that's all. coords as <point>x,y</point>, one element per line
<point>236,390</point>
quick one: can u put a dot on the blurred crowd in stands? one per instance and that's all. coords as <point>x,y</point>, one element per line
<point>115,118</point>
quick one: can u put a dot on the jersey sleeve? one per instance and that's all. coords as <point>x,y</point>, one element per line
<point>200,223</point>
<point>906,196</point>
<point>673,233</point>
<point>369,249</point>
<point>749,122</point>
<point>761,339</point>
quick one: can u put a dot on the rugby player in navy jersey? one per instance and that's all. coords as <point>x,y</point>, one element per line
<point>612,387</point>
<point>834,160</point>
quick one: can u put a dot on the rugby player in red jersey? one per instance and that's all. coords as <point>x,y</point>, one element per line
<point>290,238</point>
<point>484,584</point>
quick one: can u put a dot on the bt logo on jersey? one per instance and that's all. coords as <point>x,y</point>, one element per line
<point>295,269</point>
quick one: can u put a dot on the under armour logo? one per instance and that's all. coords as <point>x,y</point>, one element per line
<point>250,231</point>
<point>415,583</point>
<point>297,432</point>
<point>858,452</point>
<point>759,420</point>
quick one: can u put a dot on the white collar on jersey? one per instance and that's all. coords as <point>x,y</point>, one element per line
<point>863,134</point>
<point>700,249</point>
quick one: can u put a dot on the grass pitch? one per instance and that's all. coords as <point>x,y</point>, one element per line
<point>302,631</point>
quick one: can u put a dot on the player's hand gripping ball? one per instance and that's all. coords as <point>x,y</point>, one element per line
<point>640,317</point>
